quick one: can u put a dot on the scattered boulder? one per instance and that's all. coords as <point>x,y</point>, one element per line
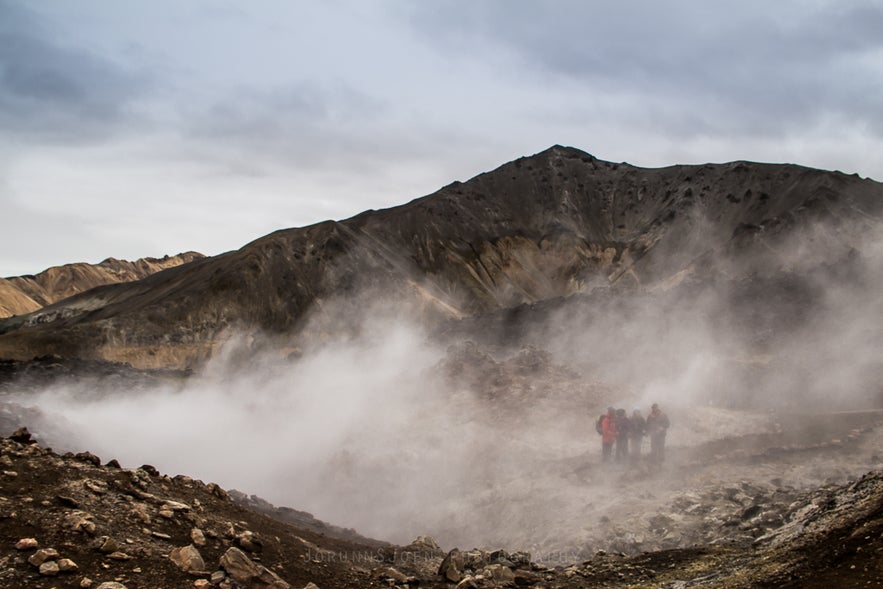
<point>188,559</point>
<point>499,573</point>
<point>88,457</point>
<point>22,436</point>
<point>451,568</point>
<point>247,572</point>
<point>176,506</point>
<point>149,469</point>
<point>42,555</point>
<point>49,568</point>
<point>526,578</point>
<point>26,544</point>
<point>107,545</point>
<point>197,537</point>
<point>425,544</point>
<point>66,565</point>
<point>249,541</point>
<point>80,521</point>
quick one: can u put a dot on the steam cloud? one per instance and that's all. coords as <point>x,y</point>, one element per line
<point>397,435</point>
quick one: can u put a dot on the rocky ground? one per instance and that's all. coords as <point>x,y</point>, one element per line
<point>744,499</point>
<point>69,521</point>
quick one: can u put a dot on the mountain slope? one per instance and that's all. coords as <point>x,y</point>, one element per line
<point>24,294</point>
<point>550,225</point>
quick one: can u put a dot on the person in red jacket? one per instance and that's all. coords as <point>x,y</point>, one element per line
<point>607,428</point>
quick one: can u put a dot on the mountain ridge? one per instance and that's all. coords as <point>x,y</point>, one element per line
<point>550,225</point>
<point>31,292</point>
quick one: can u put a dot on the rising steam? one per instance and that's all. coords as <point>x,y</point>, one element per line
<point>398,434</point>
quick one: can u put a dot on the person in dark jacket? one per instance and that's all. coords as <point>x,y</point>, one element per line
<point>657,427</point>
<point>622,435</point>
<point>637,430</point>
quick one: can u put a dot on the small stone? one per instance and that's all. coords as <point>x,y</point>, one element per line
<point>119,556</point>
<point>67,501</point>
<point>149,469</point>
<point>22,436</point>
<point>499,573</point>
<point>5,461</point>
<point>97,487</point>
<point>526,578</point>
<point>66,565</point>
<point>160,535</point>
<point>26,544</point>
<point>452,566</point>
<point>311,585</point>
<point>167,513</point>
<point>85,583</point>
<point>175,506</point>
<point>249,541</point>
<point>201,584</point>
<point>42,555</point>
<point>197,537</point>
<point>397,576</point>
<point>10,473</point>
<point>106,544</point>
<point>111,585</point>
<point>80,521</point>
<point>49,568</point>
<point>88,457</point>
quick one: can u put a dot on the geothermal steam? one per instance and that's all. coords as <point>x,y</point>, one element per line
<point>385,433</point>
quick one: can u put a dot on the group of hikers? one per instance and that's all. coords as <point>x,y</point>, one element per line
<point>622,436</point>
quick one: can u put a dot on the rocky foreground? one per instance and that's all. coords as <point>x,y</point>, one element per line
<point>69,521</point>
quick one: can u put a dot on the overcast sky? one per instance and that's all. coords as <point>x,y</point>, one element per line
<point>132,129</point>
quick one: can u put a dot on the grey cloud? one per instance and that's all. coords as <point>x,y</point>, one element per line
<point>752,69</point>
<point>49,92</point>
<point>310,124</point>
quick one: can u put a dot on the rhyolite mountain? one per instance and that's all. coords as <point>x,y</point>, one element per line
<point>540,228</point>
<point>24,294</point>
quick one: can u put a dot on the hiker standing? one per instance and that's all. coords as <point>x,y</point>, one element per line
<point>622,435</point>
<point>606,426</point>
<point>657,427</point>
<point>637,429</point>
